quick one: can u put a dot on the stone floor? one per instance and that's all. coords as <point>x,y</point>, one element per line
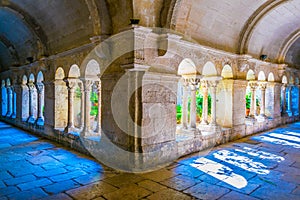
<point>264,166</point>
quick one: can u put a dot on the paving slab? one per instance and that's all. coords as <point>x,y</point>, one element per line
<point>250,169</point>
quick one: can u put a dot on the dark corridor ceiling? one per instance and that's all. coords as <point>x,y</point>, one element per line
<point>30,29</point>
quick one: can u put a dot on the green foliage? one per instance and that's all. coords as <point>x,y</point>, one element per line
<point>94,101</point>
<point>178,114</point>
<point>248,100</point>
<point>199,103</point>
<point>77,93</point>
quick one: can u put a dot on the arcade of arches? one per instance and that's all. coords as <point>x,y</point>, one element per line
<point>183,77</point>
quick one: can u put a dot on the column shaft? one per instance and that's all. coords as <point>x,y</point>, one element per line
<point>204,86</point>
<point>184,109</point>
<point>193,110</point>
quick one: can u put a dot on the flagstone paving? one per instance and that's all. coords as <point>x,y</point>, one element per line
<point>263,166</point>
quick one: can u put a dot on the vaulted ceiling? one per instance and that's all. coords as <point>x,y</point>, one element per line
<point>30,29</point>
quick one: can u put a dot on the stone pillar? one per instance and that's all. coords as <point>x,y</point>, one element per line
<point>184,111</point>
<point>204,86</point>
<point>253,86</point>
<point>87,105</point>
<point>298,100</point>
<point>14,96</point>
<point>71,89</point>
<point>98,128</point>
<point>9,101</point>
<point>40,92</point>
<point>262,87</point>
<point>283,99</point>
<point>289,100</point>
<point>193,108</point>
<point>81,106</point>
<point>31,87</point>
<point>213,86</point>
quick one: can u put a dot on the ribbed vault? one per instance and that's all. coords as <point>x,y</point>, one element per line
<point>33,29</point>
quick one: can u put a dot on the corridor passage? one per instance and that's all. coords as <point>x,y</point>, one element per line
<point>263,166</point>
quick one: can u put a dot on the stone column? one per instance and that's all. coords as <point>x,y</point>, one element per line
<point>81,106</point>
<point>298,100</point>
<point>31,87</point>
<point>193,108</point>
<point>263,87</point>
<point>87,105</point>
<point>9,101</point>
<point>40,92</point>
<point>204,85</point>
<point>253,86</point>
<point>283,99</point>
<point>289,100</point>
<point>184,117</point>
<point>14,109</point>
<point>213,86</point>
<point>98,128</point>
<point>71,89</point>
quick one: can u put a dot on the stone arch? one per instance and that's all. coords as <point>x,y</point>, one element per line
<point>92,69</point>
<point>8,82</point>
<point>227,72</point>
<point>250,75</point>
<point>284,79</point>
<point>24,79</point>
<point>296,81</point>
<point>209,69</point>
<point>74,71</point>
<point>25,99</point>
<point>4,97</point>
<point>291,80</point>
<point>60,91</point>
<point>40,77</point>
<point>40,99</point>
<point>59,74</point>
<point>261,76</point>
<point>31,78</point>
<point>271,77</point>
<point>33,102</point>
<point>186,67</point>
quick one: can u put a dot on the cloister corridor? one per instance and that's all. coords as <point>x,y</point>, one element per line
<point>261,166</point>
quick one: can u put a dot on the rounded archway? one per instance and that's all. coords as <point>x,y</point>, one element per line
<point>227,72</point>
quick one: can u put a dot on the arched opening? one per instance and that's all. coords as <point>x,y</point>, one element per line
<point>225,97</point>
<point>252,102</point>
<point>60,102</point>
<point>261,76</point>
<point>271,77</point>
<point>4,98</point>
<point>33,102</point>
<point>9,98</point>
<point>41,93</point>
<point>92,96</point>
<point>209,69</point>
<point>75,83</point>
<point>188,108</point>
<point>25,99</point>
<point>284,96</point>
<point>227,72</point>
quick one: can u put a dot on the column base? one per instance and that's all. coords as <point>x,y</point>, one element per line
<point>69,129</point>
<point>31,120</point>
<point>284,114</point>
<point>14,116</point>
<point>40,121</point>
<point>261,118</point>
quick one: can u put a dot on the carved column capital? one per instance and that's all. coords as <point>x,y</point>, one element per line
<point>262,85</point>
<point>252,85</point>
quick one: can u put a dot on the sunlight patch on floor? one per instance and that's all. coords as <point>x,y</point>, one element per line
<point>278,141</point>
<point>220,172</point>
<point>241,161</point>
<point>286,137</point>
<point>260,154</point>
